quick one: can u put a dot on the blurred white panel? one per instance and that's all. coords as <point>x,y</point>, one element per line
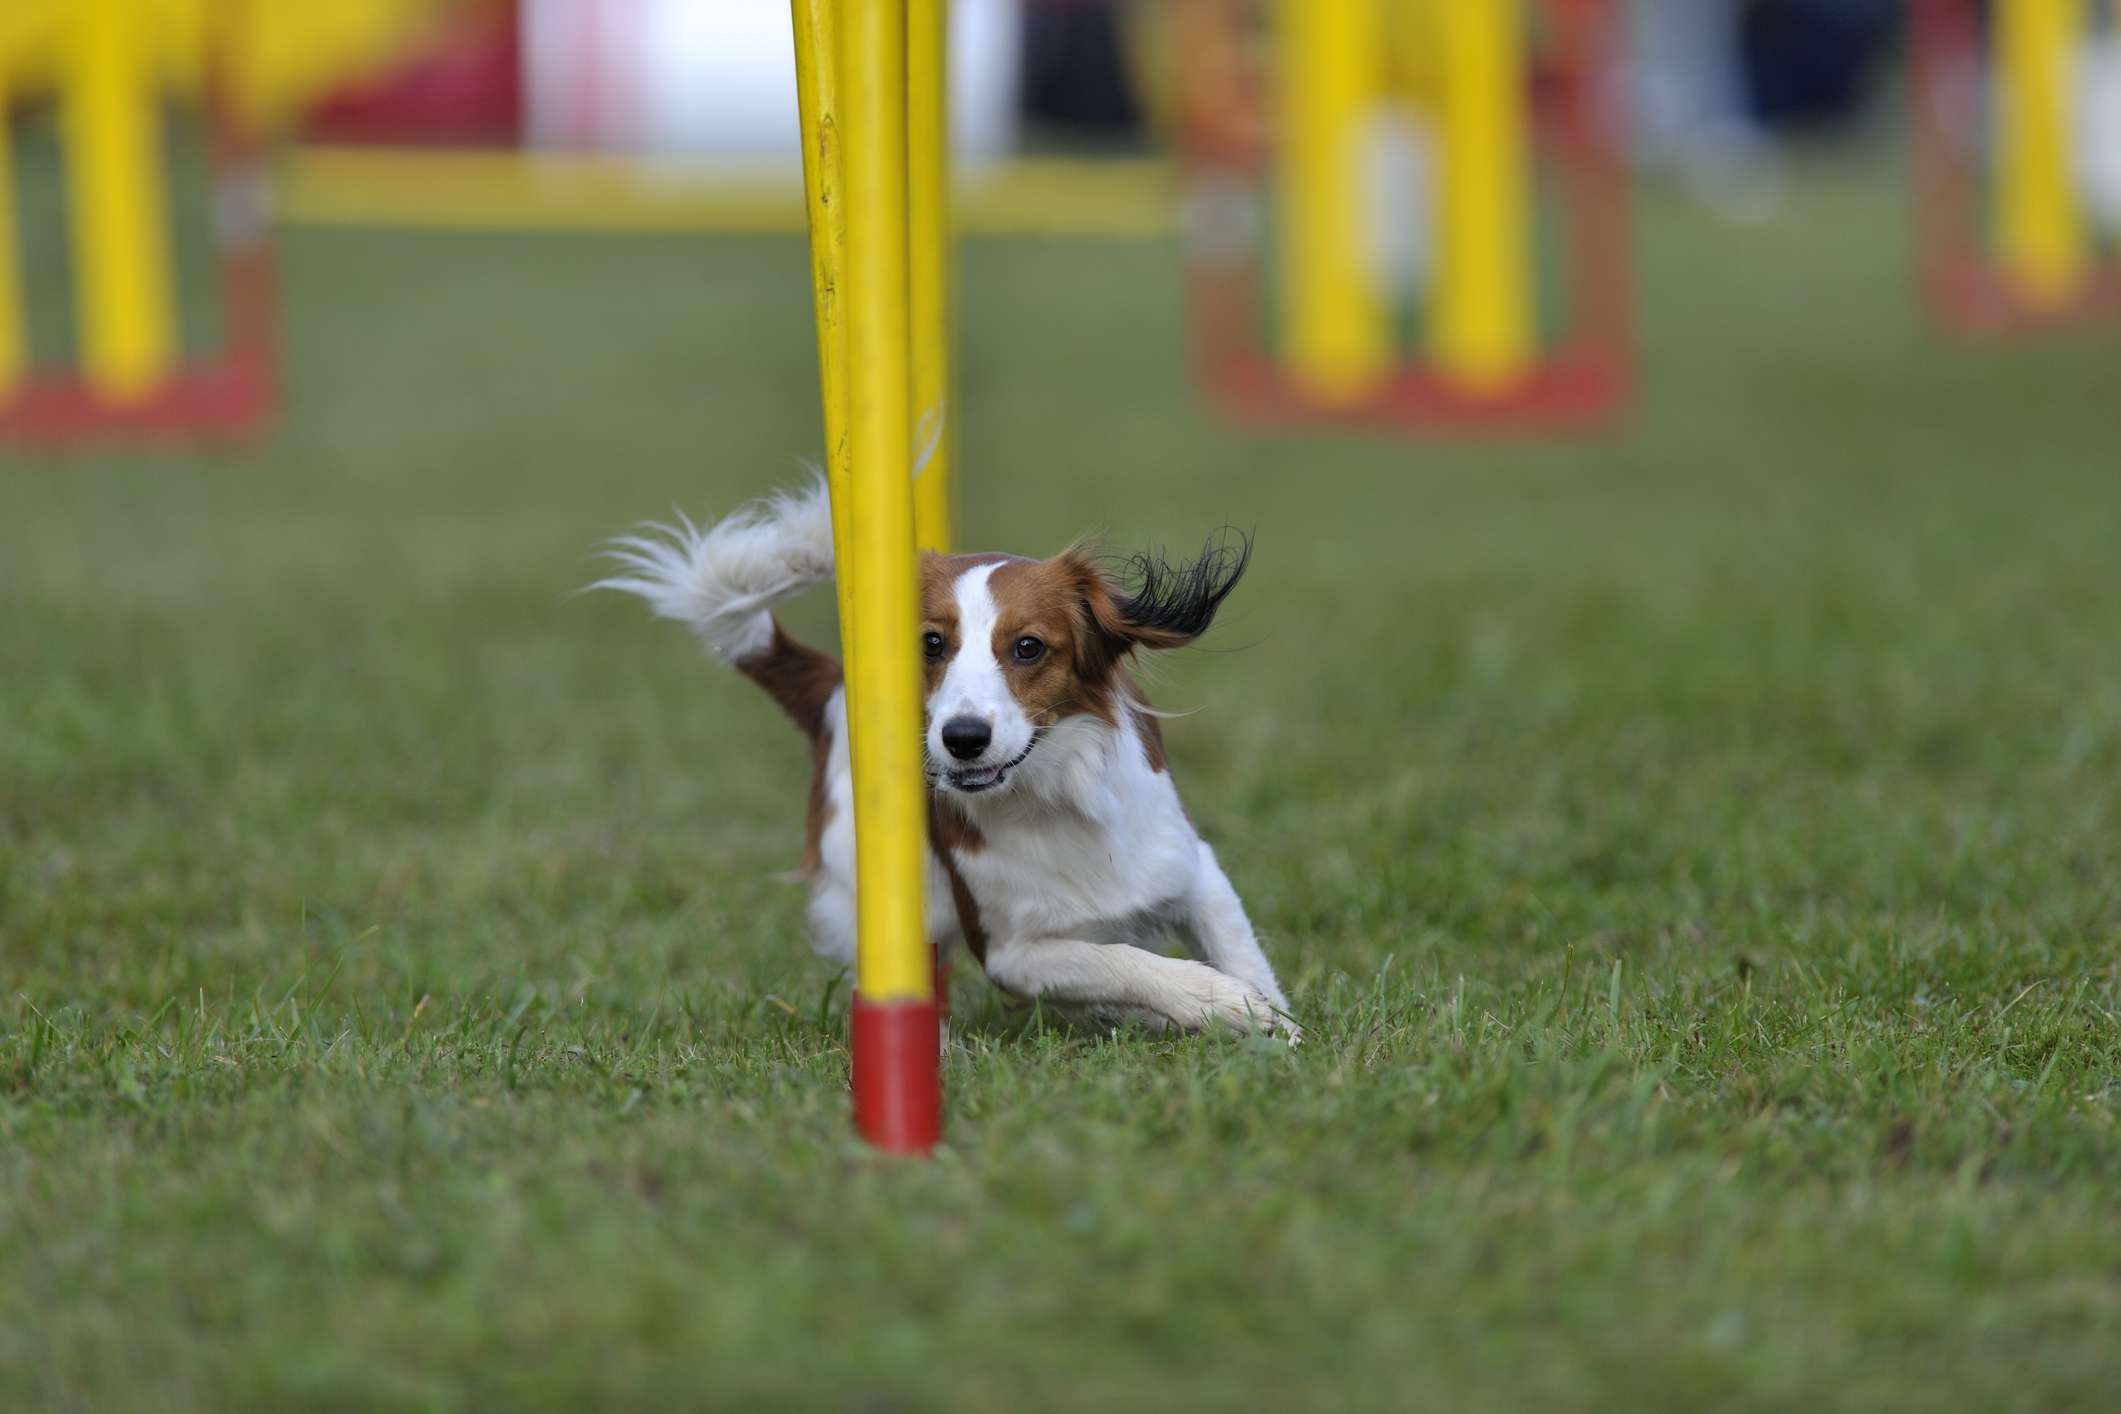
<point>716,78</point>
<point>1403,170</point>
<point>2099,130</point>
<point>986,67</point>
<point>581,72</point>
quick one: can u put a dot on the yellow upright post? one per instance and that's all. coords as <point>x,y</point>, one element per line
<point>2041,238</point>
<point>1481,333</point>
<point>120,215</point>
<point>928,183</point>
<point>884,704</point>
<point>818,105</point>
<point>894,1016</point>
<point>14,331</point>
<point>1336,323</point>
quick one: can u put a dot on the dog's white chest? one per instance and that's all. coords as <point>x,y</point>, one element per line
<point>1126,852</point>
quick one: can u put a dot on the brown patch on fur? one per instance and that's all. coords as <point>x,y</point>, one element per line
<point>948,829</point>
<point>818,814</point>
<point>1114,634</point>
<point>1152,734</point>
<point>802,679</point>
<point>797,676</point>
<point>1075,676</point>
<point>950,833</point>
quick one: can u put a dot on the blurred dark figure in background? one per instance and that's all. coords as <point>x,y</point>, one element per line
<point>1813,64</point>
<point>1712,82</point>
<point>1711,77</point>
<point>1075,70</point>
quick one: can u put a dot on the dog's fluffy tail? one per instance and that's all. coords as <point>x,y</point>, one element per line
<point>722,583</point>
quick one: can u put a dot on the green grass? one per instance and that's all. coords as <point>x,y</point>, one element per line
<point>1694,854</point>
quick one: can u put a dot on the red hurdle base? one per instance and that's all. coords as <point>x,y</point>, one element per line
<point>897,1074</point>
<point>1970,296</point>
<point>1569,391</point>
<point>228,401</point>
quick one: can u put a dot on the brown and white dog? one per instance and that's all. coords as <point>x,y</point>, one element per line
<point>1061,856</point>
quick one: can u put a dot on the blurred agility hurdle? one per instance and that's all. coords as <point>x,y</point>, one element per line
<point>2017,161</point>
<point>870,87</point>
<point>1409,211</point>
<point>106,67</point>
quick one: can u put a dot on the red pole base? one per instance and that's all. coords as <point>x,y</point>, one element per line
<point>898,1088</point>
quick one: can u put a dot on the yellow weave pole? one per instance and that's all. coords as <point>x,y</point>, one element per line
<point>2041,239</point>
<point>112,107</point>
<point>1336,323</point>
<point>883,689</point>
<point>1481,334</point>
<point>817,104</point>
<point>14,326</point>
<point>928,186</point>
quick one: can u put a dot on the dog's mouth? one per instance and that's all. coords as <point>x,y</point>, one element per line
<point>972,780</point>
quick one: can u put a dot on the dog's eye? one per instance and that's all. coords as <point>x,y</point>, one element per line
<point>1028,649</point>
<point>932,645</point>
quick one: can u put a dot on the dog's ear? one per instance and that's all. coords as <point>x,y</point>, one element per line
<point>1156,603</point>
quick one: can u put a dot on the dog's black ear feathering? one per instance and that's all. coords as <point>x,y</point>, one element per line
<point>1170,604</point>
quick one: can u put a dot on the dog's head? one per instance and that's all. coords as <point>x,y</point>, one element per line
<point>1014,648</point>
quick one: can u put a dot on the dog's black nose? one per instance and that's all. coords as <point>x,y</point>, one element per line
<point>966,737</point>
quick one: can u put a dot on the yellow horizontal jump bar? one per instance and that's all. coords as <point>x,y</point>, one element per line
<point>327,186</point>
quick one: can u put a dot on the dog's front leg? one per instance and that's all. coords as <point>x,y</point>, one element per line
<point>1114,977</point>
<point>1212,923</point>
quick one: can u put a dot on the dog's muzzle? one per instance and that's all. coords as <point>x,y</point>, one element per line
<point>972,780</point>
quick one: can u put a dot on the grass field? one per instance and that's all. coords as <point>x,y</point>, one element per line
<point>1695,855</point>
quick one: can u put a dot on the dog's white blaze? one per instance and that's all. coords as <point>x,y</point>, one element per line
<point>974,684</point>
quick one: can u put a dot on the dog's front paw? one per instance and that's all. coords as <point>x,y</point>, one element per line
<point>1238,1004</point>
